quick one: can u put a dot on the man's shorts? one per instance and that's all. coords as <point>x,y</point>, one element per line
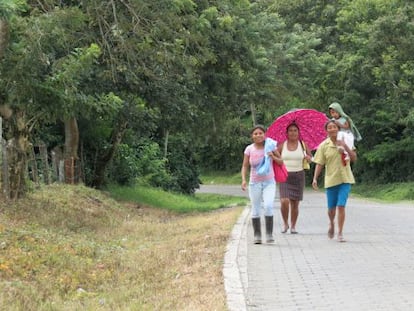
<point>338,195</point>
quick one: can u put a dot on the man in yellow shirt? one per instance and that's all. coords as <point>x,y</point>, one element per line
<point>338,176</point>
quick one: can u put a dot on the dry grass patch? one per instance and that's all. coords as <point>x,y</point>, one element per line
<point>73,248</point>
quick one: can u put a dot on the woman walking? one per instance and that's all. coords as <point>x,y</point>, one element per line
<point>261,187</point>
<point>338,176</point>
<point>293,152</point>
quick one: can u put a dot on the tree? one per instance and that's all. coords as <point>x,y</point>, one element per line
<point>41,76</point>
<point>376,76</point>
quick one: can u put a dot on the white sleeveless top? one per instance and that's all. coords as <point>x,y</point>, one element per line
<point>293,159</point>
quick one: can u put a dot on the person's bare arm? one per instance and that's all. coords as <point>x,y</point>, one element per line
<point>244,171</point>
<point>275,155</point>
<point>308,154</point>
<point>351,152</point>
<point>342,125</point>
<point>318,170</point>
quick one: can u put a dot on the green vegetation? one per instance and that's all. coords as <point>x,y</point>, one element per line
<point>201,202</point>
<point>220,178</point>
<point>388,192</point>
<point>153,92</point>
<point>156,91</point>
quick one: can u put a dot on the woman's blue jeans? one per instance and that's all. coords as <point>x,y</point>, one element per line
<point>262,192</point>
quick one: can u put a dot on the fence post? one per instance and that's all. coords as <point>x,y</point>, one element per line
<point>61,171</point>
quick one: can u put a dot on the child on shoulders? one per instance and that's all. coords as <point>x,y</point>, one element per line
<point>348,132</point>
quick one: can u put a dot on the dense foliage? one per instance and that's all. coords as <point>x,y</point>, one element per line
<point>154,91</point>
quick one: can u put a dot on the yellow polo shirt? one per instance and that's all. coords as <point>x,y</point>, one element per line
<point>335,172</point>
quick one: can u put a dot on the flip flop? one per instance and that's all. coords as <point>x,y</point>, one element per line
<point>341,238</point>
<point>285,230</point>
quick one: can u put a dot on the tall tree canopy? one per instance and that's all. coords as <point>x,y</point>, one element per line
<point>180,82</point>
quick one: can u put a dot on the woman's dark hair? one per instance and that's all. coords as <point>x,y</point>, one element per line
<point>292,124</point>
<point>257,126</point>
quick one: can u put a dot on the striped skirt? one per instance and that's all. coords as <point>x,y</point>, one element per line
<point>293,187</point>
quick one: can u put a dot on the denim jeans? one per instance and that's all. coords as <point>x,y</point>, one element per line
<point>262,192</point>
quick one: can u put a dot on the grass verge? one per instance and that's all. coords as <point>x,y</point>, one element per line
<point>386,192</point>
<point>221,178</point>
<point>201,202</point>
<point>75,248</point>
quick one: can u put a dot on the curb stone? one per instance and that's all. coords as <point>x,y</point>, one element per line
<point>235,265</point>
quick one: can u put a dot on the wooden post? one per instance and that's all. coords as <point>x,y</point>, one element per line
<point>61,171</point>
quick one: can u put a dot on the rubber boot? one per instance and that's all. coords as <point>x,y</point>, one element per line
<point>257,231</point>
<point>269,229</point>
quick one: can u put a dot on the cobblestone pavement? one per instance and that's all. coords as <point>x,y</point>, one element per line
<point>373,270</point>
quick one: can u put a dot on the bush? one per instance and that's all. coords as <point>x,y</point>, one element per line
<point>183,165</point>
<point>144,164</point>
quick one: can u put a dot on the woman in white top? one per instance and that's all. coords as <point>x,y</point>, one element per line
<point>293,151</point>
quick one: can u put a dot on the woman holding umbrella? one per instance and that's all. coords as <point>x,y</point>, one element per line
<point>293,152</point>
<point>293,128</point>
<point>338,176</point>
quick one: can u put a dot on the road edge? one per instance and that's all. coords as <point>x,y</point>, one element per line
<point>235,265</point>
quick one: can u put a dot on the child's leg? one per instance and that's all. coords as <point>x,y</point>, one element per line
<point>349,141</point>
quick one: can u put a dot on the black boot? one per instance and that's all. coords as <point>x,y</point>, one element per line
<point>269,229</point>
<point>257,230</point>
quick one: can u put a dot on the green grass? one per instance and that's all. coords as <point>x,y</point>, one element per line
<point>200,202</point>
<point>386,192</point>
<point>220,178</point>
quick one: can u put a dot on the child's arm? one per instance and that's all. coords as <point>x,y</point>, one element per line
<point>344,125</point>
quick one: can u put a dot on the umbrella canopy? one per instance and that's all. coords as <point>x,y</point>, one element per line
<point>311,124</point>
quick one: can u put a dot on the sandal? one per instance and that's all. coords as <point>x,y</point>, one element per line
<point>285,229</point>
<point>293,231</point>
<point>341,238</point>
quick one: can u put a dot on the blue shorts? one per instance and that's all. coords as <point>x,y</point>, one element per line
<point>338,195</point>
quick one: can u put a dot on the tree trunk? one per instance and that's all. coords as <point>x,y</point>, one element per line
<point>253,111</point>
<point>71,150</point>
<point>104,159</point>
<point>71,138</point>
<point>18,147</point>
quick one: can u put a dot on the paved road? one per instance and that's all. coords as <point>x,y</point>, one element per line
<point>373,270</point>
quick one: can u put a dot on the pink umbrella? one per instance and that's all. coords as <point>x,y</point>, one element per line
<point>311,125</point>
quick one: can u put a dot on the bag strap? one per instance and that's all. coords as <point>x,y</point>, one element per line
<point>302,143</point>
